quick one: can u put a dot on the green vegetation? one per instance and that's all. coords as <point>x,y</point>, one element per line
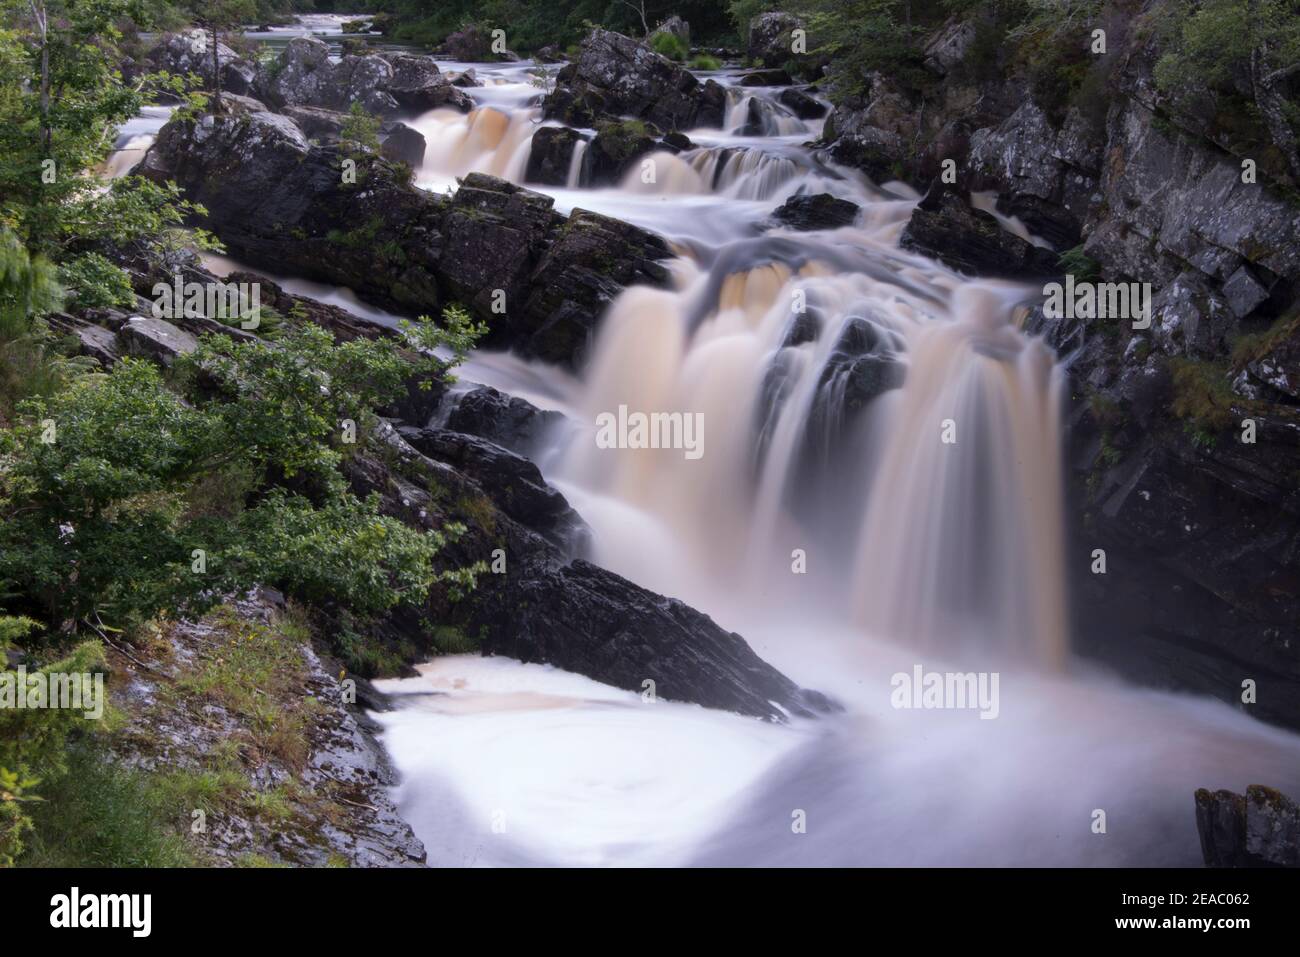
<point>1233,59</point>
<point>702,61</point>
<point>1203,398</point>
<point>669,45</point>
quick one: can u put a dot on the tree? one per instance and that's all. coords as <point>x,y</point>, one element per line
<point>216,17</point>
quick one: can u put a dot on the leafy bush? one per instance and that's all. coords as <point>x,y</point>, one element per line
<point>101,502</point>
<point>669,45</point>
<point>702,61</point>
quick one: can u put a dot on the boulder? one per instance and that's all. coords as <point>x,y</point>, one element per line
<point>156,339</point>
<point>404,144</point>
<point>772,77</point>
<point>801,104</point>
<point>382,83</point>
<point>769,40</point>
<point>615,149</point>
<point>512,482</point>
<point>275,198</point>
<point>949,45</point>
<point>1188,318</point>
<point>509,421</point>
<point>675,26</point>
<point>971,241</point>
<point>417,84</point>
<point>820,211</point>
<point>472,45</point>
<point>551,155</point>
<point>615,76</point>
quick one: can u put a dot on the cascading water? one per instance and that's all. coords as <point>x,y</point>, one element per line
<point>880,489</point>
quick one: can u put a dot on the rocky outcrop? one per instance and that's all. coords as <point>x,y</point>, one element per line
<point>382,83</point>
<point>473,45</point>
<point>971,241</point>
<point>769,38</point>
<point>403,144</point>
<point>190,52</point>
<point>551,155</point>
<point>801,104</point>
<point>545,606</point>
<point>1258,829</point>
<point>507,420</point>
<point>539,280</point>
<point>615,76</point>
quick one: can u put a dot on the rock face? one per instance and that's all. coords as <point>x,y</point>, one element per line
<point>1258,829</point>
<point>1184,437</point>
<point>971,241</point>
<point>274,197</point>
<point>769,40</point>
<point>615,76</point>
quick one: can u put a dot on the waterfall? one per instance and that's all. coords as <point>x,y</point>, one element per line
<point>825,396</point>
<point>486,140</point>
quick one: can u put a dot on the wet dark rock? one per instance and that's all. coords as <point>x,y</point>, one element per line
<point>876,152</point>
<point>274,198</point>
<point>971,241</point>
<point>591,261</point>
<point>316,123</point>
<point>676,142</point>
<point>512,482</point>
<point>549,54</point>
<point>801,104</point>
<point>1258,829</point>
<point>774,77</point>
<point>551,155</point>
<point>509,421</point>
<point>582,618</point>
<point>1188,318</point>
<point>820,211</point>
<point>404,144</point>
<point>1245,291</point>
<point>548,608</point>
<point>615,150</point>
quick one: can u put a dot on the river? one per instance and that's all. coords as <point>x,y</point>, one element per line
<point>927,531</point>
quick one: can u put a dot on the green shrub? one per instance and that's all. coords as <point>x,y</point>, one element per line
<point>702,61</point>
<point>669,45</point>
